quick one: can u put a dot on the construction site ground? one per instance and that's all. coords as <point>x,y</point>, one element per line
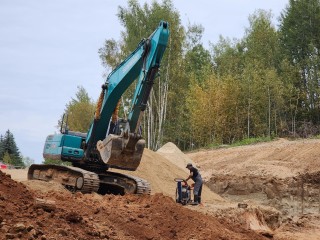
<point>263,191</point>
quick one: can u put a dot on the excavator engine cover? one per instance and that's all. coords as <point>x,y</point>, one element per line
<point>121,152</point>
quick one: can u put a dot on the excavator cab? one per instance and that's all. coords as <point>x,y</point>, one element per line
<point>66,146</point>
<point>119,127</point>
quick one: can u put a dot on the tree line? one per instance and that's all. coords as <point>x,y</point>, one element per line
<point>265,84</point>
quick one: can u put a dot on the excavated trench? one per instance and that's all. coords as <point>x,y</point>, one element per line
<point>292,196</point>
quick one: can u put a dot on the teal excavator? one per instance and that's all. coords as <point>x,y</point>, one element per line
<point>111,142</point>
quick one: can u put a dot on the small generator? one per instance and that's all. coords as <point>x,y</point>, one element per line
<point>183,191</point>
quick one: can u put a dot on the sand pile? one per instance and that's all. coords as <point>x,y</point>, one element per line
<point>77,216</point>
<point>171,152</point>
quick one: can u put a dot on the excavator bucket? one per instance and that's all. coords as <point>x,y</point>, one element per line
<point>120,152</point>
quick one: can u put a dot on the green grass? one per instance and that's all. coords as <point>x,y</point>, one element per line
<point>213,145</point>
<point>249,141</point>
<point>243,142</point>
<point>316,137</point>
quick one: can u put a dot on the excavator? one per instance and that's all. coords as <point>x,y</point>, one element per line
<point>111,142</point>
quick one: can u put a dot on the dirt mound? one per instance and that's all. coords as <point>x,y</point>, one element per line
<point>54,215</point>
<point>160,173</point>
<point>175,156</point>
<point>14,197</point>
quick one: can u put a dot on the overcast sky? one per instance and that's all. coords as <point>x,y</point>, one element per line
<point>48,48</point>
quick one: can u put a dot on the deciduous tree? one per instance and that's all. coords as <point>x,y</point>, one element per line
<point>300,38</point>
<point>80,111</point>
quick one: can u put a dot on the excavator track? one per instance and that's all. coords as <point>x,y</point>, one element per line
<point>77,179</point>
<point>74,179</point>
<point>141,186</point>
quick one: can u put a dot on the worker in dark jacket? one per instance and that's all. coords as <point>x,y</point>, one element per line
<point>196,177</point>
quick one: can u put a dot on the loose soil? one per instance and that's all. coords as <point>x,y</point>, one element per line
<point>26,214</point>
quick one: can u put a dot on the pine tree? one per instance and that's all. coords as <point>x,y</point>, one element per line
<point>10,147</point>
<point>7,158</point>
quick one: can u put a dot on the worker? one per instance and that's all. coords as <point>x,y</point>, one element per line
<point>196,177</point>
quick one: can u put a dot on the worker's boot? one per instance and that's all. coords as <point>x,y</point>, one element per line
<point>199,199</point>
<point>195,200</point>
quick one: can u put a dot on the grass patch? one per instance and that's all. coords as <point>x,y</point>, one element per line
<point>213,145</point>
<point>316,137</point>
<point>243,142</point>
<point>249,141</point>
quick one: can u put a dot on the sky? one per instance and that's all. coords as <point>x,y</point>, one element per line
<point>48,48</point>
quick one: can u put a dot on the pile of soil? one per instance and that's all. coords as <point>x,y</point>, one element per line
<point>171,152</point>
<point>61,215</point>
